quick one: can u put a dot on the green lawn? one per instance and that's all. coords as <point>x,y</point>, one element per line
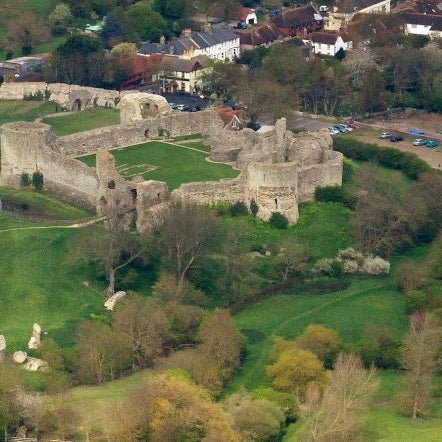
<point>43,205</point>
<point>165,162</point>
<point>19,110</point>
<point>83,121</point>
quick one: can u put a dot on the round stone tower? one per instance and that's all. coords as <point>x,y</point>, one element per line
<point>20,144</point>
<point>274,188</point>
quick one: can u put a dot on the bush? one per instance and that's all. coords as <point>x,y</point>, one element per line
<point>278,221</point>
<point>375,265</point>
<point>239,209</point>
<point>416,301</point>
<point>37,180</point>
<point>37,96</point>
<point>254,207</point>
<point>408,163</point>
<point>25,180</point>
<point>335,194</point>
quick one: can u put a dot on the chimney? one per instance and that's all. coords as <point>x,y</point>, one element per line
<point>207,27</point>
<point>187,32</point>
<point>162,40</point>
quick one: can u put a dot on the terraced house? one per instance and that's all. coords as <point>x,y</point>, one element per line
<point>218,43</point>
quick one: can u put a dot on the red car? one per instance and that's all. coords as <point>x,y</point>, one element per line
<point>352,124</point>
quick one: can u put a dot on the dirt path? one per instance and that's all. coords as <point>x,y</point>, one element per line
<point>56,115</point>
<point>70,226</point>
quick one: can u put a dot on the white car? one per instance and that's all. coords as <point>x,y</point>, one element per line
<point>385,135</point>
<point>419,142</point>
<point>181,107</point>
<point>333,131</point>
<point>347,127</point>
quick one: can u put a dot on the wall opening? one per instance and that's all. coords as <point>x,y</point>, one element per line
<point>111,184</point>
<point>146,133</point>
<point>276,203</point>
<point>77,105</point>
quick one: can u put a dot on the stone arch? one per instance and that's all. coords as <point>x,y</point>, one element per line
<point>77,105</point>
<point>111,184</point>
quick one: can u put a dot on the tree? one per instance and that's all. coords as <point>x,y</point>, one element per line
<point>173,9</point>
<point>295,370</point>
<point>102,353</point>
<point>360,61</point>
<point>322,341</point>
<point>37,180</point>
<point>187,233</point>
<point>254,418</point>
<point>224,9</point>
<point>422,345</point>
<point>79,60</point>
<point>170,407</point>
<point>221,342</point>
<point>10,408</point>
<point>60,17</point>
<point>146,326</point>
<point>278,221</point>
<point>147,24</point>
<point>124,49</point>
<point>292,259</point>
<point>336,414</point>
<point>112,249</point>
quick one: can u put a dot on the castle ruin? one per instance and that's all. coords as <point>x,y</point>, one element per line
<point>279,169</point>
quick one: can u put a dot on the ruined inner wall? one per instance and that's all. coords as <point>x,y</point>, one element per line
<point>69,97</point>
<point>30,147</point>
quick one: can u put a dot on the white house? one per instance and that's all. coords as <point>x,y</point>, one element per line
<point>327,43</point>
<point>179,74</point>
<point>423,24</point>
<point>343,11</point>
<point>219,43</point>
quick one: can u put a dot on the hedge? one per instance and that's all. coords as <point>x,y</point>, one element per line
<point>409,163</point>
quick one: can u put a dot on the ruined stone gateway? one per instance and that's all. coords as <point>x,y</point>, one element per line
<point>278,168</point>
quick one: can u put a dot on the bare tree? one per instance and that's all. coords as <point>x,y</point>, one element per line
<point>422,345</point>
<point>335,415</point>
<point>112,249</point>
<point>187,233</point>
<point>360,61</point>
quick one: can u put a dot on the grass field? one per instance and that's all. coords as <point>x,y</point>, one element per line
<point>83,121</point>
<point>43,205</point>
<point>18,110</point>
<point>166,162</point>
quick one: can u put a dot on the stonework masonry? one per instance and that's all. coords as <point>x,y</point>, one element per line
<point>278,169</point>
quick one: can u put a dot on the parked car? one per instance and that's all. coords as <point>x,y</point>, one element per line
<point>419,142</point>
<point>340,128</point>
<point>333,131</point>
<point>241,25</point>
<point>173,106</point>
<point>396,138</point>
<point>351,124</point>
<point>385,135</point>
<point>347,127</point>
<point>432,144</point>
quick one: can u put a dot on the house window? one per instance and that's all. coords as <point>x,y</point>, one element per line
<point>183,86</point>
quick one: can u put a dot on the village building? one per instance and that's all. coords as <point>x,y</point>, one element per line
<point>423,24</point>
<point>181,75</point>
<point>433,7</point>
<point>218,43</point>
<point>328,43</point>
<point>343,11</point>
<point>298,21</point>
<point>264,35</point>
<point>21,67</point>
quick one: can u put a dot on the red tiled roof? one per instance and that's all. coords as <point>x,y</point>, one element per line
<point>260,35</point>
<point>241,14</point>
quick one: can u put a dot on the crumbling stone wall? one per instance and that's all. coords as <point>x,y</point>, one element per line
<point>30,147</point>
<point>68,97</point>
<point>278,169</point>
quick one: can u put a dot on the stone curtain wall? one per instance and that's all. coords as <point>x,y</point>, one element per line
<point>68,97</point>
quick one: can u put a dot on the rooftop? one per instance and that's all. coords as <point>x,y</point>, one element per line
<point>259,35</point>
<point>297,17</point>
<point>349,6</point>
<point>434,21</point>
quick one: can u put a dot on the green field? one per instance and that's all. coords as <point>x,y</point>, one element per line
<point>166,162</point>
<point>18,110</point>
<point>83,121</point>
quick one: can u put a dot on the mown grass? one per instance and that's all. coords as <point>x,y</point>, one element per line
<point>83,121</point>
<point>20,110</point>
<point>43,205</point>
<point>173,165</point>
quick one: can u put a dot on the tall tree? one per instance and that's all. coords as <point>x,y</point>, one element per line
<point>336,414</point>
<point>422,346</point>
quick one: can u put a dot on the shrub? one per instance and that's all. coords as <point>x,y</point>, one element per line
<point>347,172</point>
<point>36,96</point>
<point>25,180</point>
<point>239,209</point>
<point>37,180</point>
<point>278,221</point>
<point>409,277</point>
<point>254,207</point>
<point>416,301</point>
<point>375,266</point>
<point>328,267</point>
<point>408,163</point>
<point>334,194</point>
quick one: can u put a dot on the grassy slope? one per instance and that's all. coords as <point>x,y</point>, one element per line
<point>82,121</point>
<point>46,204</point>
<point>15,110</point>
<point>174,165</point>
